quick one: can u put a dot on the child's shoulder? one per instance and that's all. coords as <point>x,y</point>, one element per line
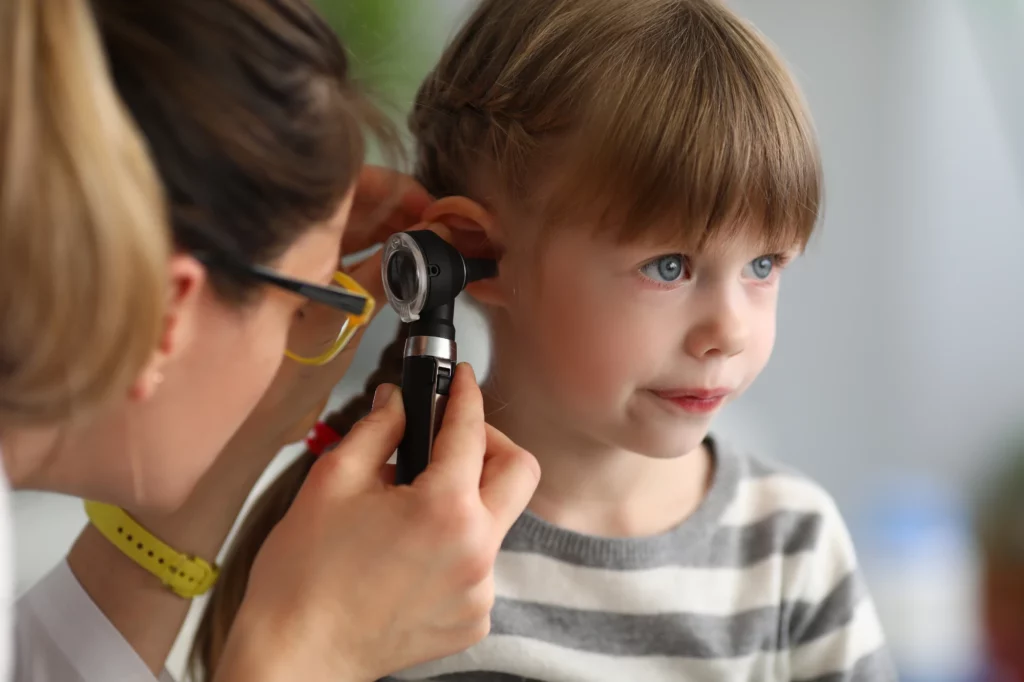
<point>778,509</point>
<point>765,486</point>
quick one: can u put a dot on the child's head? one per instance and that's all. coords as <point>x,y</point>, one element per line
<point>637,165</point>
<point>645,167</point>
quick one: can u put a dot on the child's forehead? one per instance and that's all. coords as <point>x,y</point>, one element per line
<point>691,218</point>
<point>746,235</point>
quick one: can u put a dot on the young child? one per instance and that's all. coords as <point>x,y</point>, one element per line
<point>643,170</point>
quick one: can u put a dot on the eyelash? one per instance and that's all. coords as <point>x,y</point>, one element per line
<point>779,261</point>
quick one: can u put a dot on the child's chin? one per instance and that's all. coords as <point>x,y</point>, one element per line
<point>669,443</point>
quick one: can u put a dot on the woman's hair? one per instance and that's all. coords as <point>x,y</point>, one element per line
<point>83,226</point>
<point>664,118</point>
<point>251,132</point>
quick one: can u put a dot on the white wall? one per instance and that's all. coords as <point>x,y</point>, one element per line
<point>901,333</point>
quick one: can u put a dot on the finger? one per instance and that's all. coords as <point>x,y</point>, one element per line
<point>509,479</point>
<point>356,463</point>
<point>385,202</point>
<point>458,454</point>
<point>378,184</point>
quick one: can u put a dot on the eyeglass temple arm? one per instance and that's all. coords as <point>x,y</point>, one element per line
<point>336,298</point>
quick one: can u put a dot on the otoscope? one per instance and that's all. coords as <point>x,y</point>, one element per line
<point>422,275</point>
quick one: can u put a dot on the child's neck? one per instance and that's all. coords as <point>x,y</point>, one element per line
<point>593,488</point>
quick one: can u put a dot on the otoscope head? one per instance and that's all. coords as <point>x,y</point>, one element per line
<point>422,272</point>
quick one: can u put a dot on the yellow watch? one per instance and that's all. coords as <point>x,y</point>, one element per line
<point>187,576</point>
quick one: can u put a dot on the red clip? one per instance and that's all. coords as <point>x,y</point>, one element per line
<point>321,438</point>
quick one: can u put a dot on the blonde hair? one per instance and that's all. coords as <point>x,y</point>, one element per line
<point>84,239</point>
<point>671,118</point>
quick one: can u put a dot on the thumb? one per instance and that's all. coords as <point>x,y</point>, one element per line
<point>509,479</point>
<point>354,465</point>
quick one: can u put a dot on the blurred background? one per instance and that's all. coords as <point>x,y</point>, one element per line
<point>898,377</point>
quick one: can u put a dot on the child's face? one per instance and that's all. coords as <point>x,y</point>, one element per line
<point>639,347</point>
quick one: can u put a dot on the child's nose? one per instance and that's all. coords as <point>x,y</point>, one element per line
<point>723,331</point>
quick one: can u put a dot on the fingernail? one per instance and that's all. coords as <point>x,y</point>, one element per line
<point>381,395</point>
<point>468,368</point>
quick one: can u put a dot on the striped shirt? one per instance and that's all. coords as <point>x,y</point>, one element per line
<point>760,583</point>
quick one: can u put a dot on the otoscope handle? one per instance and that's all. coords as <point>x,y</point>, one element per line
<point>425,384</point>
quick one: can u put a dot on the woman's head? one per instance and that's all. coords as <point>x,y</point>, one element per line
<point>601,136</point>
<point>254,130</point>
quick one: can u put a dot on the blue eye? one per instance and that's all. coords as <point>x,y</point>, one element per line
<point>666,269</point>
<point>760,268</point>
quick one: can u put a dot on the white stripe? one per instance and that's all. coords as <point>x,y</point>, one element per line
<point>543,661</point>
<point>671,589</point>
<point>758,498</point>
<point>840,649</point>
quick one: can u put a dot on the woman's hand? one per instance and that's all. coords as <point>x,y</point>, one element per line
<point>362,578</point>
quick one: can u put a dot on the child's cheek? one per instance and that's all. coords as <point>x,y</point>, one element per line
<point>586,344</point>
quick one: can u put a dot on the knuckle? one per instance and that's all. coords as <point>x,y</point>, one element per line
<point>455,516</point>
<point>479,630</point>
<point>525,460</point>
<point>481,604</point>
<point>474,569</point>
<point>372,421</point>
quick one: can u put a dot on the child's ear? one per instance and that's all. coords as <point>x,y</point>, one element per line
<point>471,229</point>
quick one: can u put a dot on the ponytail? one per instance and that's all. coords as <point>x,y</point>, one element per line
<point>84,239</point>
<point>268,510</point>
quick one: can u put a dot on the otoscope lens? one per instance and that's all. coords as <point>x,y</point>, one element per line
<point>402,276</point>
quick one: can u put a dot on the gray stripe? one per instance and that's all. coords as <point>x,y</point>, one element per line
<point>757,467</point>
<point>785,532</point>
<point>664,634</point>
<point>473,676</point>
<point>482,676</point>
<point>808,622</point>
<point>873,667</point>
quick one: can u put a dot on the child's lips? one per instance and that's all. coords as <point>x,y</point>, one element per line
<point>695,400</point>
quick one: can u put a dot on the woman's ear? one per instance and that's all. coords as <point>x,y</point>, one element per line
<point>473,231</point>
<point>187,277</point>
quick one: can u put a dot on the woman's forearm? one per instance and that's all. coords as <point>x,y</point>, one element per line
<point>148,615</point>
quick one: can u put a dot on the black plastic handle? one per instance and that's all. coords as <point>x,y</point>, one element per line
<point>425,384</point>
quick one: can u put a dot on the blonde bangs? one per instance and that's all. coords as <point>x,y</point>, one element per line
<point>694,135</point>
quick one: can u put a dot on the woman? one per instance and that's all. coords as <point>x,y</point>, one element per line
<point>175,185</point>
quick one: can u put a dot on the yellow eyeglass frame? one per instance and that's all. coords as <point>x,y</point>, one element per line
<point>352,324</point>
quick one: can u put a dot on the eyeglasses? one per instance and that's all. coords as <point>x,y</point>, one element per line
<point>325,323</point>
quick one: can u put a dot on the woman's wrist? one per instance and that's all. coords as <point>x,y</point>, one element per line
<point>261,649</point>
